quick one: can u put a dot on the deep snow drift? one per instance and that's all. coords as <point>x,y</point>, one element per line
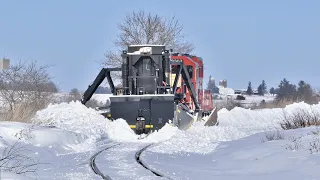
<point>76,117</point>
<point>234,124</point>
<point>294,156</point>
<point>68,133</point>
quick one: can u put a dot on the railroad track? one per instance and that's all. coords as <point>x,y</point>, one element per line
<point>96,170</point>
<point>138,159</point>
<point>93,165</point>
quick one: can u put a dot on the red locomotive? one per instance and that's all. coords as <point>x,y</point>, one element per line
<point>195,69</point>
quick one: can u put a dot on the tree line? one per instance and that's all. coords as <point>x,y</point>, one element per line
<point>262,89</point>
<point>288,92</point>
<point>24,89</point>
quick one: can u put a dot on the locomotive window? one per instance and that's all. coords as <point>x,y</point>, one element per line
<point>201,71</point>
<point>148,66</point>
<point>174,69</point>
<point>145,67</point>
<point>190,71</point>
<point>147,63</point>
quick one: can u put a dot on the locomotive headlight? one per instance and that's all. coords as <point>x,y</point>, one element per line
<point>139,118</point>
<point>145,50</point>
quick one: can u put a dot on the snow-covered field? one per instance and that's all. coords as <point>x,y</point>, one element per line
<point>65,136</point>
<point>250,101</point>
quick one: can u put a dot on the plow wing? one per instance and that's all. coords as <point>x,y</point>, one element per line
<point>212,119</point>
<point>184,120</point>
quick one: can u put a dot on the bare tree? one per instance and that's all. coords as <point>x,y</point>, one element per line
<point>146,28</point>
<point>75,95</point>
<point>24,89</point>
<point>15,159</point>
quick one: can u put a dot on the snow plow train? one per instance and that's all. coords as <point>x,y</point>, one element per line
<point>158,87</point>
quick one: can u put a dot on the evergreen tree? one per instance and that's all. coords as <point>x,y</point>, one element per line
<point>305,92</point>
<point>286,91</point>
<point>260,90</point>
<point>249,90</point>
<point>272,91</point>
<point>264,87</point>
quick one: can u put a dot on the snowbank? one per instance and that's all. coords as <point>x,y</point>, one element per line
<point>197,153</point>
<point>237,123</point>
<point>261,119</point>
<point>60,153</point>
<point>77,118</point>
<point>10,130</point>
<point>234,124</point>
<point>73,117</point>
<point>198,139</point>
<point>248,158</point>
<point>163,134</point>
<point>57,139</point>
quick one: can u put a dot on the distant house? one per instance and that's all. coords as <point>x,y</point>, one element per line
<point>240,91</point>
<point>244,91</point>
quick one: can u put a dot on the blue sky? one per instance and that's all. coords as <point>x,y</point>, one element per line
<point>239,41</point>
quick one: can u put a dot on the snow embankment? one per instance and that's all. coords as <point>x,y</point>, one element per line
<point>293,155</point>
<point>235,124</point>
<point>261,119</point>
<point>57,139</point>
<point>77,118</point>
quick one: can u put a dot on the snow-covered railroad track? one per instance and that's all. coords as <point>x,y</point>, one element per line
<point>138,154</point>
<point>94,166</point>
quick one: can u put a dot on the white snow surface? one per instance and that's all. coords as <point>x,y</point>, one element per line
<point>248,158</point>
<point>77,118</point>
<point>101,98</point>
<point>67,134</point>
